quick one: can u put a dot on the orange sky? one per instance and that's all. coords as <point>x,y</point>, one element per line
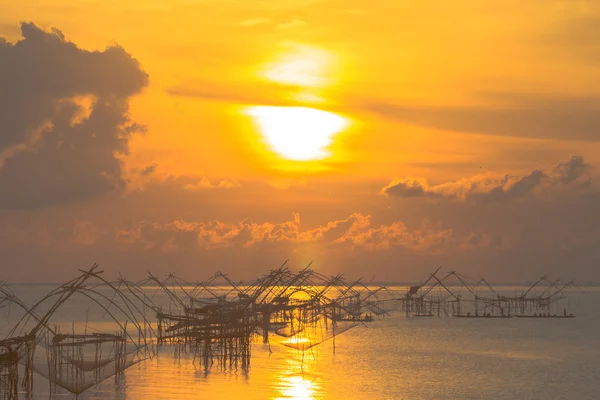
<point>381,140</point>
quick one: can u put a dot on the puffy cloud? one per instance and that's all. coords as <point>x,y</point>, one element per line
<point>396,234</point>
<point>410,188</point>
<point>510,189</point>
<point>512,241</point>
<point>356,230</point>
<point>63,118</point>
<point>151,178</point>
<point>572,170</point>
<point>485,189</point>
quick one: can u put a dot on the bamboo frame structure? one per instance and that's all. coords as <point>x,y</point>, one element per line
<point>457,295</point>
<point>218,320</point>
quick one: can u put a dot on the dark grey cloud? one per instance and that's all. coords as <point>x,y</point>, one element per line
<point>572,170</point>
<point>515,114</point>
<point>503,193</point>
<point>53,148</point>
<point>410,188</point>
<point>568,175</point>
<point>149,170</point>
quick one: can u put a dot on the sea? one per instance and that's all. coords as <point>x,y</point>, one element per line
<point>393,357</point>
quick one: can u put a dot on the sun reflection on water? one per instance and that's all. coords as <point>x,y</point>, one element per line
<point>296,382</point>
<point>297,387</point>
<point>299,343</point>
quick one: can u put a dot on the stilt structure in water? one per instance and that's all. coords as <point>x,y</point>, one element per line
<point>216,321</point>
<point>459,296</point>
<point>14,350</point>
<point>78,360</point>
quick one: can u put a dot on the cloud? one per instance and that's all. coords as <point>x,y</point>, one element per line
<point>205,183</point>
<point>511,114</point>
<point>511,189</point>
<point>572,170</point>
<point>167,228</point>
<point>149,170</point>
<point>407,188</point>
<point>396,234</point>
<point>356,231</point>
<point>250,93</point>
<point>485,189</point>
<point>64,118</point>
<point>152,181</point>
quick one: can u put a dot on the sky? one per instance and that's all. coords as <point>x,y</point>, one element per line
<point>379,141</point>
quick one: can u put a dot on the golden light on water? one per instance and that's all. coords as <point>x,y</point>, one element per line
<point>297,387</point>
<point>300,343</point>
<point>296,380</point>
<point>297,133</point>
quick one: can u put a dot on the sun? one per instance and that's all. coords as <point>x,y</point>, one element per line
<point>297,133</point>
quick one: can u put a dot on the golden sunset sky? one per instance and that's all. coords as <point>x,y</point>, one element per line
<point>375,139</point>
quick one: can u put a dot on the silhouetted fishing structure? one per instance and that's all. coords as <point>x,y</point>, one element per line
<point>219,326</point>
<point>74,361</point>
<point>457,295</point>
<point>15,349</point>
<point>217,320</point>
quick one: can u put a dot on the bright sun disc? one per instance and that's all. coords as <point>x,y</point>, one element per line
<point>297,133</point>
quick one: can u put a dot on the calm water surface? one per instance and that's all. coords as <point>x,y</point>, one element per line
<point>393,358</point>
